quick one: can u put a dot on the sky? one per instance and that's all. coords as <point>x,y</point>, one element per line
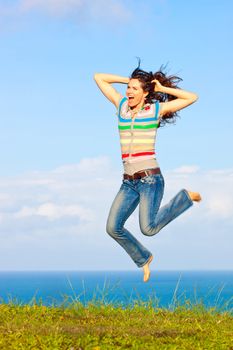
<point>59,144</point>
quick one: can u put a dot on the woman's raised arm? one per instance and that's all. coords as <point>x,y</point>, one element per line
<point>104,82</point>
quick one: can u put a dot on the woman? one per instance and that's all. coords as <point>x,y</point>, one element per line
<point>151,100</point>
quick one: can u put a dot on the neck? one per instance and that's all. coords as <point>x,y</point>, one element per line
<point>137,107</point>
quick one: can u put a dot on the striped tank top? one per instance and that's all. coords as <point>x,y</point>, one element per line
<point>137,136</point>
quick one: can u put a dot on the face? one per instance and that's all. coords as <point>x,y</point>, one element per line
<point>135,93</point>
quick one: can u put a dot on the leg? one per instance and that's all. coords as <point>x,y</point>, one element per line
<point>122,207</point>
<point>152,219</point>
<point>146,269</point>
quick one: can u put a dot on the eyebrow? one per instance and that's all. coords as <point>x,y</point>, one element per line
<point>135,87</point>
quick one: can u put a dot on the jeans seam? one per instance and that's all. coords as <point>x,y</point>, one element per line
<point>146,261</point>
<point>189,199</point>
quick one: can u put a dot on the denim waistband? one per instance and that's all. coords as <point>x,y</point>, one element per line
<point>141,174</point>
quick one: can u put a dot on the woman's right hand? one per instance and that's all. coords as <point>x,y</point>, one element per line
<point>158,86</point>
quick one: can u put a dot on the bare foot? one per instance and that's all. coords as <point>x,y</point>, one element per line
<point>195,196</point>
<point>146,270</point>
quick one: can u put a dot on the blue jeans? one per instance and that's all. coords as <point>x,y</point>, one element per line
<point>148,193</point>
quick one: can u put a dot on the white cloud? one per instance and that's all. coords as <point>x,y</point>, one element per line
<point>81,190</point>
<point>186,169</point>
<point>51,6</point>
<point>75,191</point>
<point>221,205</point>
<point>53,212</point>
<point>77,10</point>
<point>93,9</point>
<point>215,186</point>
<point>73,201</point>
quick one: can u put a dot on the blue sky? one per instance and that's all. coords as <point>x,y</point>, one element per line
<point>55,123</point>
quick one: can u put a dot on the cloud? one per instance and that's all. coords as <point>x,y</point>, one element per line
<point>80,11</point>
<point>53,7</point>
<point>215,186</point>
<point>187,169</point>
<point>221,205</point>
<point>81,190</point>
<point>92,9</point>
<point>54,212</point>
<point>70,204</point>
<point>72,191</point>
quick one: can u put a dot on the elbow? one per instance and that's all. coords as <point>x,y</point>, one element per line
<point>97,76</point>
<point>195,97</point>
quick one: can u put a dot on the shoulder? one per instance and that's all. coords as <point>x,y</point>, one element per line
<point>161,109</point>
<point>122,100</point>
<point>156,108</point>
<point>122,104</point>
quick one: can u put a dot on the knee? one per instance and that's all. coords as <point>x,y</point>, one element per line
<point>112,230</point>
<point>149,230</point>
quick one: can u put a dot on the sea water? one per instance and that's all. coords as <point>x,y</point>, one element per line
<point>165,288</point>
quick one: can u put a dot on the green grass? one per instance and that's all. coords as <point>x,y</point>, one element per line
<point>97,326</point>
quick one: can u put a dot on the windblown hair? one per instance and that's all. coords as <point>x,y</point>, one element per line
<point>166,80</point>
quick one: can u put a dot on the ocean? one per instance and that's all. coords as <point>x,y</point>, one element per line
<point>165,288</point>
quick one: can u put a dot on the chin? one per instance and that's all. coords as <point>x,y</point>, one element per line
<point>132,104</point>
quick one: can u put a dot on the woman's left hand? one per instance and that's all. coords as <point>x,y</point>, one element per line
<point>158,87</point>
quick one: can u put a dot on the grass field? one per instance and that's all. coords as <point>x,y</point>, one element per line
<point>100,326</point>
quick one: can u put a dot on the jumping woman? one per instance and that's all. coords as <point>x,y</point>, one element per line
<point>152,100</point>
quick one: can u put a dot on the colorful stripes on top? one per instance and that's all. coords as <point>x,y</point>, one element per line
<point>137,135</point>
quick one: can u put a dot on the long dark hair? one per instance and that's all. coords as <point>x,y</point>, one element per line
<point>146,78</point>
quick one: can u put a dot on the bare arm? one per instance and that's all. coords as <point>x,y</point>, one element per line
<point>184,98</point>
<point>104,82</point>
